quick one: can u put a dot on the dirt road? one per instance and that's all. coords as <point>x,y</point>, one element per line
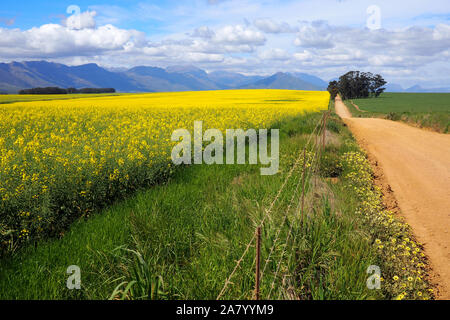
<point>416,165</point>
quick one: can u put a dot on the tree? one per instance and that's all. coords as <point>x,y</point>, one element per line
<point>46,90</point>
<point>97,90</point>
<point>378,84</point>
<point>333,89</point>
<point>55,90</point>
<point>356,84</point>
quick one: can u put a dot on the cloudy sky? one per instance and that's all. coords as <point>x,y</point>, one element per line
<point>406,41</point>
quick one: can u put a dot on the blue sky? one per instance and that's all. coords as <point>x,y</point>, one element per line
<point>31,13</point>
<point>406,41</point>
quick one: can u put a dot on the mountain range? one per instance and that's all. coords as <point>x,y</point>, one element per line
<point>392,87</point>
<point>15,76</point>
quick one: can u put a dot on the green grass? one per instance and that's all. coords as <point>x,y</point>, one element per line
<point>429,110</point>
<point>187,234</point>
<point>406,102</point>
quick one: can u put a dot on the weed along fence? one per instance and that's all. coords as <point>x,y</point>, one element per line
<point>273,252</point>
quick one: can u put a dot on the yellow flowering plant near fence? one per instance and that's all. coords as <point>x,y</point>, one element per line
<point>62,159</point>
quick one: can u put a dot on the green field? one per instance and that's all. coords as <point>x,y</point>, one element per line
<point>428,110</point>
<point>406,102</point>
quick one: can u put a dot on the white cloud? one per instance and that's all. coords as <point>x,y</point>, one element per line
<point>269,26</point>
<point>204,57</point>
<point>315,35</point>
<point>81,21</point>
<point>405,47</point>
<point>384,60</point>
<point>53,40</point>
<point>303,56</point>
<point>441,32</point>
<point>230,39</point>
<point>239,34</point>
<point>275,54</point>
<point>215,36</point>
<point>203,32</point>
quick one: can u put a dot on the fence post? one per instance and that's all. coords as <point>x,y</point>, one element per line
<point>258,256</point>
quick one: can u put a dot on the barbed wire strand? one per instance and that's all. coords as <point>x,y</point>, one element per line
<point>279,229</point>
<point>238,262</point>
<point>312,170</point>
<point>291,202</point>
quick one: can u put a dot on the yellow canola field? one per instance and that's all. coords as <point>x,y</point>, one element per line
<point>60,159</point>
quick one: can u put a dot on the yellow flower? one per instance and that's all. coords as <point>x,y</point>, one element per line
<point>116,143</point>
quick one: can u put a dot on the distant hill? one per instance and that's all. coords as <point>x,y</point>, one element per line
<point>282,80</point>
<point>158,79</point>
<point>415,88</point>
<point>393,87</point>
<point>232,79</point>
<point>15,76</point>
<point>311,79</point>
<point>419,89</point>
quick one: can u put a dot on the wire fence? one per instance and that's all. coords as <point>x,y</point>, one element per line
<point>312,150</point>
